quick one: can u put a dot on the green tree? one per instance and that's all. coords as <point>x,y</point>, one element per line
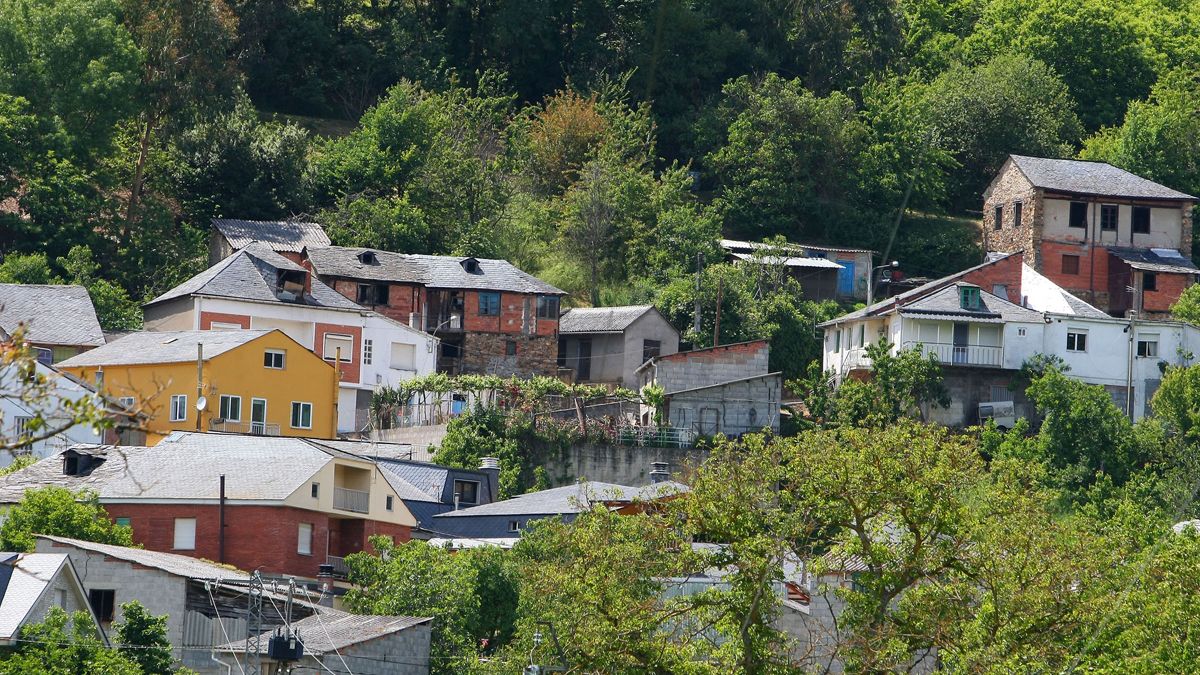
<point>26,268</point>
<point>1174,403</point>
<point>66,644</point>
<point>1187,307</point>
<point>143,639</point>
<point>114,308</point>
<point>60,512</point>
<point>484,433</point>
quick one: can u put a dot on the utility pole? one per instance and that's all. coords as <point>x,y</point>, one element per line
<point>696,317</point>
<point>1133,312</point>
<point>254,621</point>
<point>717,326</point>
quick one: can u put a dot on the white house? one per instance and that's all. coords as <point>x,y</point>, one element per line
<point>983,339</point>
<point>257,288</point>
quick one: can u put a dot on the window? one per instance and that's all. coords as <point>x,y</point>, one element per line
<point>301,415</point>
<point>1078,217</point>
<point>222,325</point>
<point>185,534</point>
<point>514,526</point>
<point>44,356</point>
<point>178,407</point>
<point>1000,291</point>
<point>124,522</point>
<point>372,294</point>
<point>1021,332</point>
<point>969,297</point>
<point>1017,214</point>
<point>547,307</point>
<point>1141,220</point>
<point>21,425</point>
<point>368,258</point>
<point>273,358</point>
<point>489,304</point>
<point>404,356</point>
<point>837,341</point>
<point>103,603</point>
<point>315,490</point>
<point>388,503</point>
<point>127,402</point>
<point>1070,264</point>
<point>1149,281</point>
<point>510,347</point>
<point>998,221</point>
<point>368,349</point>
<point>304,539</point>
<point>231,408</point>
<point>651,349</point>
<point>1000,393</point>
<point>1147,347</point>
<point>338,344</point>
<point>467,491</point>
<point>1076,341</point>
<point>1108,217</point>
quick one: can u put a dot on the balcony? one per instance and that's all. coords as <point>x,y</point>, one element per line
<point>962,355</point>
<point>358,501</point>
<point>340,569</point>
<point>252,428</point>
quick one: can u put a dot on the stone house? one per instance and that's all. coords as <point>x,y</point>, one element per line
<point>1095,230</point>
<point>489,316</point>
<point>824,272</point>
<point>59,320</point>
<point>608,344</point>
<point>727,389</point>
<point>31,584</point>
<point>285,237</point>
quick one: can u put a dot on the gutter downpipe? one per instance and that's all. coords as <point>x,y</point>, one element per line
<point>221,524</point>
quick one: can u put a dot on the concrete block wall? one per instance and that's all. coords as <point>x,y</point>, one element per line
<point>704,367</point>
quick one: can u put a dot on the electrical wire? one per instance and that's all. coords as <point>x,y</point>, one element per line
<point>293,633</point>
<point>221,623</point>
<point>321,622</point>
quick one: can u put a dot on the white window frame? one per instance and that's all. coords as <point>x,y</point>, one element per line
<point>21,425</point>
<point>127,401</point>
<point>329,354</point>
<point>185,537</point>
<point>1150,339</point>
<point>368,351</point>
<point>304,538</point>
<point>221,407</point>
<point>224,325</point>
<point>282,359</point>
<point>1076,332</point>
<point>292,416</point>
<point>179,407</point>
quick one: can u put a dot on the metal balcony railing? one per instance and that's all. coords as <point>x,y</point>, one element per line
<point>253,428</point>
<point>357,501</point>
<point>962,355</point>
<point>655,437</point>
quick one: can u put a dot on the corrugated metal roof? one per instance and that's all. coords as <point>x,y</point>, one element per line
<point>815,263</point>
<point>1091,178</point>
<point>601,319</point>
<point>434,271</point>
<point>280,235</point>
<point>148,347</point>
<point>1156,260</point>
<point>53,315</point>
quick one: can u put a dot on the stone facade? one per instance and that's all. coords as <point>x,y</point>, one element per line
<point>1009,188</point>
<point>490,353</point>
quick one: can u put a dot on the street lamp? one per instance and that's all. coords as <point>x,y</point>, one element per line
<point>871,279</point>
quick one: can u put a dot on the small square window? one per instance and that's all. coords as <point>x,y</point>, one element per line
<point>185,534</point>
<point>467,491</point>
<point>547,307</point>
<point>1108,217</point>
<point>389,503</point>
<point>1078,217</point>
<point>372,294</point>
<point>301,415</point>
<point>178,407</point>
<point>103,602</point>
<point>489,304</point>
<point>340,347</point>
<point>1141,220</point>
<point>1076,341</point>
<point>123,522</point>
<point>514,526</point>
<point>1147,348</point>
<point>1149,281</point>
<point>127,402</point>
<point>1070,264</point>
<point>651,349</point>
<point>316,490</point>
<point>273,358</point>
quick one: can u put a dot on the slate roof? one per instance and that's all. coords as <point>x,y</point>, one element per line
<point>1156,260</point>
<point>946,304</point>
<point>601,319</point>
<point>24,578</point>
<point>1091,178</point>
<point>567,499</point>
<point>53,315</point>
<point>280,235</point>
<point>148,347</point>
<point>252,274</point>
<point>331,629</point>
<point>434,271</point>
<point>171,563</point>
<point>186,465</point>
<point>420,482</point>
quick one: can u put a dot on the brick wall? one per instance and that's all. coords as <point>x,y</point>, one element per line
<point>263,537</point>
<point>1169,288</point>
<point>1092,282</point>
<point>350,371</point>
<point>1006,272</point>
<point>403,299</point>
<point>488,353</point>
<point>207,319</point>
<point>1008,188</point>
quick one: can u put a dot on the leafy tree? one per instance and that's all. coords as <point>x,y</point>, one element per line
<point>114,308</point>
<point>60,512</point>
<point>26,268</point>
<point>1174,403</point>
<point>1187,307</point>
<point>388,223</point>
<point>483,433</point>
<point>143,639</point>
<point>64,644</point>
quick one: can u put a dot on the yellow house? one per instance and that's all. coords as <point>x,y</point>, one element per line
<point>258,382</point>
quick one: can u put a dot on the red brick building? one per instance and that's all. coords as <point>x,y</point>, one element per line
<point>489,316</point>
<point>1114,239</point>
<point>288,504</point>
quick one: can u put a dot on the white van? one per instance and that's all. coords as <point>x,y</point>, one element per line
<point>1003,413</point>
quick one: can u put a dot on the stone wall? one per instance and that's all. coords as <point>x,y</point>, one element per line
<point>488,353</point>
<point>968,388</point>
<point>1009,188</point>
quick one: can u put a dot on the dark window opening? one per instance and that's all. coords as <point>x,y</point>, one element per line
<point>372,294</point>
<point>547,307</point>
<point>1149,281</point>
<point>102,602</point>
<point>489,304</point>
<point>1108,217</point>
<point>562,353</point>
<point>1078,215</point>
<point>1141,220</point>
<point>471,265</point>
<point>1070,264</point>
<point>368,258</point>
<point>467,491</point>
<point>510,347</point>
<point>999,218</point>
<point>1017,214</point>
<point>651,349</point>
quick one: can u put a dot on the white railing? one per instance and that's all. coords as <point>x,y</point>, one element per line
<point>962,355</point>
<point>655,437</point>
<point>253,428</point>
<point>357,501</point>
<point>855,358</point>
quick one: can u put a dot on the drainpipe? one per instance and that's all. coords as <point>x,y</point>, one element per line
<point>199,383</point>
<point>221,523</point>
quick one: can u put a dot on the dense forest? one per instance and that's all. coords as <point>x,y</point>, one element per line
<point>603,145</point>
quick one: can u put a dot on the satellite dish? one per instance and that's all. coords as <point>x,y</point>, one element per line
<point>201,403</point>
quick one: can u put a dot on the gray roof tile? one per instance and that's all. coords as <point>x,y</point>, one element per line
<point>331,629</point>
<point>1091,178</point>
<point>280,235</point>
<point>171,563</point>
<point>434,271</point>
<point>148,347</point>
<point>601,319</point>
<point>946,303</point>
<point>568,499</point>
<point>52,314</point>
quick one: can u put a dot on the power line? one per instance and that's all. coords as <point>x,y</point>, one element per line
<point>220,622</point>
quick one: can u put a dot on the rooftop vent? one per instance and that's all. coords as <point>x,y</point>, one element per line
<point>489,463</point>
<point>368,258</point>
<point>471,265</point>
<point>659,472</point>
<point>81,463</point>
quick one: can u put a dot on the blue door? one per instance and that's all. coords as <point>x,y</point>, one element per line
<point>846,278</point>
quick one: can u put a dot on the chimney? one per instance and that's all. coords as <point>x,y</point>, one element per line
<point>491,467</point>
<point>659,473</point>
